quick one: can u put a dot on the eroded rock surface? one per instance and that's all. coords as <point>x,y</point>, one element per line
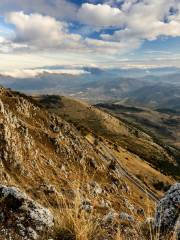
<point>168,212</point>
<point>22,215</point>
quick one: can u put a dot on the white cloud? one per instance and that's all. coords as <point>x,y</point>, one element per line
<point>146,20</point>
<point>133,22</point>
<point>136,20</point>
<point>32,73</point>
<point>39,31</point>
<point>100,15</point>
<point>127,5</point>
<point>35,32</point>
<point>111,47</point>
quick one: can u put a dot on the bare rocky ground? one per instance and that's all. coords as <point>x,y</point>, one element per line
<point>56,184</point>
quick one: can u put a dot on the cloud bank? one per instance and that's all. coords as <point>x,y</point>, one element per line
<point>32,73</point>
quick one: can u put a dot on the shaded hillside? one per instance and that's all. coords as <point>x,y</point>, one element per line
<point>162,123</point>
<point>156,95</point>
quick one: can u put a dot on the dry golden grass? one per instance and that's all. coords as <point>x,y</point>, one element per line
<point>116,131</point>
<point>44,167</point>
<point>141,169</point>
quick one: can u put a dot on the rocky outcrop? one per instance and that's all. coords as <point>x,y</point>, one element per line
<point>20,214</point>
<point>167,216</point>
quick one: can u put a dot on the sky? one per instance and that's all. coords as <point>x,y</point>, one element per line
<point>106,33</point>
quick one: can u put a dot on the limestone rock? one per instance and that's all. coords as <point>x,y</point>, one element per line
<point>22,214</point>
<point>126,217</point>
<point>168,211</point>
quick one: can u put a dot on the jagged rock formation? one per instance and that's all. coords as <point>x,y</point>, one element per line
<point>167,218</point>
<point>21,214</point>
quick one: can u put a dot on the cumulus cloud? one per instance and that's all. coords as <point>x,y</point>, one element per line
<point>35,32</point>
<point>100,15</point>
<point>39,31</point>
<point>136,20</point>
<point>151,19</point>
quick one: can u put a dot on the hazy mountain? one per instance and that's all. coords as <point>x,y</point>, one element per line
<point>157,96</point>
<point>159,88</point>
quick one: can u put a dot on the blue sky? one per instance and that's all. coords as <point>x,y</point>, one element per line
<point>109,33</point>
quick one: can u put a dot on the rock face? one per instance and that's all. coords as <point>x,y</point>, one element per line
<point>21,214</point>
<point>168,212</point>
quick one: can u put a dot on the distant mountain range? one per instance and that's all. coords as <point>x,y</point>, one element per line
<point>152,87</point>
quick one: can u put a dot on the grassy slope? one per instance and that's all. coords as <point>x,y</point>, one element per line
<point>34,163</point>
<point>138,145</point>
